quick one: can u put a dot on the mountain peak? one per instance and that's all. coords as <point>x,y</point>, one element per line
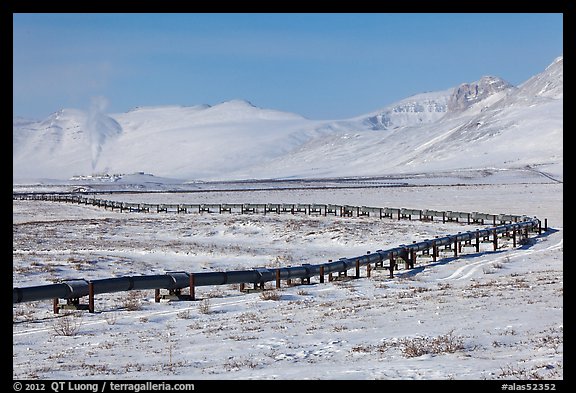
<point>238,103</point>
<point>559,59</point>
<point>548,84</point>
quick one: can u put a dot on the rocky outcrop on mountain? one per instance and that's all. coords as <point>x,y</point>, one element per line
<point>468,94</point>
<point>416,110</point>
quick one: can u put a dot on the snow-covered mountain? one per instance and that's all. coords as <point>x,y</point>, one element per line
<point>419,109</point>
<point>181,142</point>
<point>487,123</point>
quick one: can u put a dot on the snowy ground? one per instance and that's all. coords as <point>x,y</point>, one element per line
<point>491,315</point>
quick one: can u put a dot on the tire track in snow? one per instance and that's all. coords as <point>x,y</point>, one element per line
<point>468,270</point>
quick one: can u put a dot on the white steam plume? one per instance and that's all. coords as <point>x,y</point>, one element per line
<point>99,127</point>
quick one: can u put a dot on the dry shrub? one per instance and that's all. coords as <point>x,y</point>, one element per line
<point>204,307</point>
<point>270,295</point>
<point>68,324</point>
<point>132,301</point>
<point>418,346</point>
<point>111,318</point>
<point>184,314</point>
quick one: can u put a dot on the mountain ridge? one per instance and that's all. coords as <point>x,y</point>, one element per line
<point>236,139</point>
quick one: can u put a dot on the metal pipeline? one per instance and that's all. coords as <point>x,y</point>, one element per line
<point>65,290</point>
<point>71,289</point>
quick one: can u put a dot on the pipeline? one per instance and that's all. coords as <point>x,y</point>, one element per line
<point>265,208</point>
<point>175,281</point>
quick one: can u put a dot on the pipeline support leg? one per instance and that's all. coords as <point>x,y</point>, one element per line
<point>495,240</point>
<point>90,297</point>
<point>192,287</point>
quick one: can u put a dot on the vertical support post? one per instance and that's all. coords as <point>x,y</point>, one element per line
<point>495,239</point>
<point>357,268</point>
<point>406,256</point>
<point>443,217</point>
<point>391,266</point>
<point>91,297</point>
<point>192,287</point>
<point>545,224</point>
<point>55,307</point>
<point>157,295</point>
<point>514,237</point>
<point>434,251</point>
<point>477,245</point>
<point>322,274</point>
<point>330,277</point>
<point>368,265</point>
<point>278,278</point>
<point>412,256</point>
<point>455,248</point>
<point>241,287</point>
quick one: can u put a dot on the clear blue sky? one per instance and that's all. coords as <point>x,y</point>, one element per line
<point>322,66</point>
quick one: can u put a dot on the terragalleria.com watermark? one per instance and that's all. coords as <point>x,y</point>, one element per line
<point>100,387</point>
